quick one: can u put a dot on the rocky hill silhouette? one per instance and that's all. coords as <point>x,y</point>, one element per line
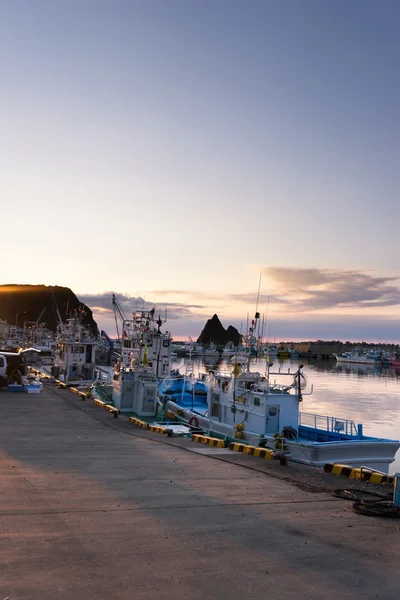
<point>23,303</point>
<point>214,332</point>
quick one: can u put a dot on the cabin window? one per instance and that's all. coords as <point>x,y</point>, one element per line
<point>273,411</point>
<point>256,401</point>
<point>1,361</point>
<point>165,343</point>
<point>77,349</point>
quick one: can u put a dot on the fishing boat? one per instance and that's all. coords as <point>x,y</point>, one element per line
<point>241,358</point>
<point>264,409</point>
<point>289,353</point>
<point>371,357</point>
<point>229,350</point>
<point>271,351</point>
<point>394,360</point>
<point>74,360</point>
<point>144,361</point>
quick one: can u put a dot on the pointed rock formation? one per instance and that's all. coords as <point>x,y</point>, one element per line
<point>233,335</point>
<point>215,333</point>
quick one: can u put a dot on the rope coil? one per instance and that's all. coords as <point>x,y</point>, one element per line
<point>369,504</point>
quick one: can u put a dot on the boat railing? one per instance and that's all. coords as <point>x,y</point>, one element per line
<point>331,424</point>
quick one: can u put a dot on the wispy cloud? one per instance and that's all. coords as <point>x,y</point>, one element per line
<point>307,290</point>
<point>102,304</point>
<point>319,289</point>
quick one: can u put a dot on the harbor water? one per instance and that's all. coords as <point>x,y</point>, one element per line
<point>364,393</point>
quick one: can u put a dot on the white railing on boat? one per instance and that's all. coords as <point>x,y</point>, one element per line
<point>326,423</point>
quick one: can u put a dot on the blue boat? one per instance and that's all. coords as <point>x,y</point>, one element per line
<point>186,393</point>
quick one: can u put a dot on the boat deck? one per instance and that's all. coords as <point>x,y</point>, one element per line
<point>93,507</point>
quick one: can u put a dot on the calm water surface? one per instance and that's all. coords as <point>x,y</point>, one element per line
<point>363,393</point>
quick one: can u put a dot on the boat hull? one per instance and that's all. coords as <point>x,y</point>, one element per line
<point>359,361</point>
<point>369,452</point>
<point>375,454</point>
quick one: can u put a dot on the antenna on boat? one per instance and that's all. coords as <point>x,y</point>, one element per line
<point>258,294</point>
<point>266,318</point>
<point>253,325</point>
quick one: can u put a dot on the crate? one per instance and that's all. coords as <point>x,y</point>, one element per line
<point>33,388</point>
<point>15,387</point>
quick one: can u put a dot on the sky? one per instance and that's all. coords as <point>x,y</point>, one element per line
<point>174,150</point>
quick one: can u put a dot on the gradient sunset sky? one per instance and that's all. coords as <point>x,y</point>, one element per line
<point>176,149</point>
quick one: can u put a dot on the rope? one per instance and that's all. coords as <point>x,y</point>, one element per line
<point>359,495</point>
<point>380,508</point>
<point>370,504</point>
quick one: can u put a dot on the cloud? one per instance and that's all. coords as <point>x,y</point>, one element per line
<point>102,304</point>
<point>298,290</point>
<point>320,289</point>
<point>251,299</point>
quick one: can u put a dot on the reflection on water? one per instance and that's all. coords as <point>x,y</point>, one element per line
<point>364,393</point>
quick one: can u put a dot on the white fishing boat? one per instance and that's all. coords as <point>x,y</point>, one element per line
<point>271,351</point>
<point>229,351</point>
<point>357,356</point>
<point>145,358</point>
<point>74,360</point>
<point>264,409</point>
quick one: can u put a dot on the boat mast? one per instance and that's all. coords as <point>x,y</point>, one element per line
<point>253,325</point>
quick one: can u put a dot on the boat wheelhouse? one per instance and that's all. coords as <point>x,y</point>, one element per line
<point>74,361</point>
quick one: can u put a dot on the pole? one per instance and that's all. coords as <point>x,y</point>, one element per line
<point>262,330</point>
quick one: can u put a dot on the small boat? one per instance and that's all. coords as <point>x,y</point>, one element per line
<point>372,357</point>
<point>290,353</point>
<point>271,351</point>
<point>394,360</point>
<point>242,358</point>
<point>229,350</point>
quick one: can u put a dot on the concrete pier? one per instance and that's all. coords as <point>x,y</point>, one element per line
<point>92,507</point>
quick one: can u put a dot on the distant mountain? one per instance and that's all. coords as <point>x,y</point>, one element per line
<point>215,332</point>
<point>22,303</point>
